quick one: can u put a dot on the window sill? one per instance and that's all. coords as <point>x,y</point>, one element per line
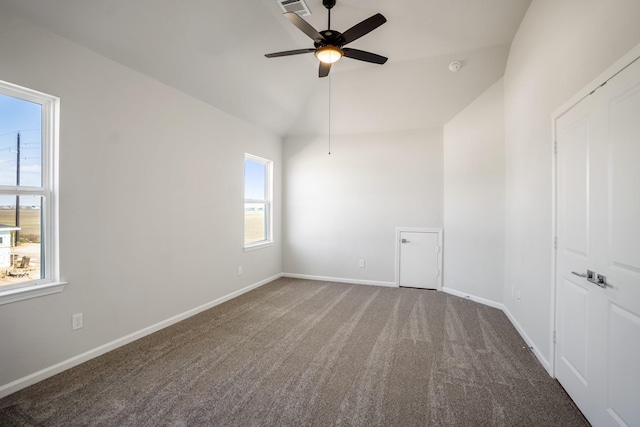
<point>258,246</point>
<point>31,291</point>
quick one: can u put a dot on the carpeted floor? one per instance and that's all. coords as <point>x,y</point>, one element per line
<point>296,352</point>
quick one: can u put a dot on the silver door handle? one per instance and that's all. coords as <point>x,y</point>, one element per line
<point>405,241</point>
<point>601,281</point>
<point>594,277</point>
<point>590,275</point>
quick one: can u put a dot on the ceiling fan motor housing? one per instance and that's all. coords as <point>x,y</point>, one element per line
<point>329,3</point>
<point>328,44</point>
<point>331,38</point>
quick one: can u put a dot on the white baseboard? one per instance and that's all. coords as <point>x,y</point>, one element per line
<point>340,280</point>
<point>474,298</point>
<point>536,351</point>
<point>480,300</point>
<point>50,371</point>
<point>500,306</point>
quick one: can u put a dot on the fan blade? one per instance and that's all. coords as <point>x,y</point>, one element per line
<point>324,69</point>
<point>289,52</point>
<point>363,28</point>
<point>304,26</point>
<point>361,55</point>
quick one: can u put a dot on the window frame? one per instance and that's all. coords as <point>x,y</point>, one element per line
<point>268,202</point>
<point>50,282</point>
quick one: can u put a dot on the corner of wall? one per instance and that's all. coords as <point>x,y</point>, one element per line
<point>474,191</point>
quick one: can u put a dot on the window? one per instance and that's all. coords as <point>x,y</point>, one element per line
<point>28,194</point>
<point>257,201</point>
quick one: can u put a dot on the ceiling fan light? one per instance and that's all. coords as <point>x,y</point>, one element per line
<point>329,54</point>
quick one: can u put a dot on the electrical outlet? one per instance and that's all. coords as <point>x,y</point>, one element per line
<point>239,270</point>
<point>361,263</point>
<point>77,321</point>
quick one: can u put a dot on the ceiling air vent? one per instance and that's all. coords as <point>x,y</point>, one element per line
<point>296,6</point>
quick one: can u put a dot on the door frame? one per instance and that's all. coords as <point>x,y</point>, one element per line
<point>419,230</point>
<point>599,81</point>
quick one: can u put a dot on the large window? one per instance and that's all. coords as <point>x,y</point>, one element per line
<point>28,199</point>
<point>257,201</point>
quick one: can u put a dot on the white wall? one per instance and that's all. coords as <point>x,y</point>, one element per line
<point>134,152</point>
<point>343,207</point>
<point>474,198</point>
<point>560,47</point>
<point>151,202</point>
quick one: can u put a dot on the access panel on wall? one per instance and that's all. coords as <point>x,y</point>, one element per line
<point>419,258</point>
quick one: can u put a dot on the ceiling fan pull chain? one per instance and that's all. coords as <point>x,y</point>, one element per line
<point>329,115</point>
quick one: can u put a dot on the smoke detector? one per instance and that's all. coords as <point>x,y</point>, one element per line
<point>455,66</point>
<point>296,6</point>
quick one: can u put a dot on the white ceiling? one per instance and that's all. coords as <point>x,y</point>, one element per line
<point>214,51</point>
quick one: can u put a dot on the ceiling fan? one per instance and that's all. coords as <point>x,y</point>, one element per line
<point>329,43</point>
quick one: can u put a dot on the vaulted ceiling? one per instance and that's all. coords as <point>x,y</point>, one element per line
<point>214,51</point>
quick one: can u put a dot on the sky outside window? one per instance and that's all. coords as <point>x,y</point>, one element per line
<point>17,115</point>
<point>255,175</point>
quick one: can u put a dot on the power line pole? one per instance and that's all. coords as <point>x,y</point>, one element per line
<point>18,184</point>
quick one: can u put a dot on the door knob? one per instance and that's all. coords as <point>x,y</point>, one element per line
<point>405,241</point>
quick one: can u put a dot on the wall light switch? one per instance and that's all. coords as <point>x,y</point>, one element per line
<point>361,263</point>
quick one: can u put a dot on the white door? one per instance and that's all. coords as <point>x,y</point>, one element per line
<point>419,265</point>
<point>598,224</point>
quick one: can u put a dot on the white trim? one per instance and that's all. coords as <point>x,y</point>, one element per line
<point>340,280</point>
<point>545,363</point>
<point>27,94</point>
<point>554,235</point>
<point>598,81</point>
<point>420,230</point>
<point>618,66</point>
<point>536,351</point>
<point>31,291</point>
<point>268,201</point>
<point>49,188</point>
<point>474,298</point>
<point>50,371</point>
<point>255,246</point>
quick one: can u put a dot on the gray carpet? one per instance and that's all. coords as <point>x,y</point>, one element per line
<point>296,352</point>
